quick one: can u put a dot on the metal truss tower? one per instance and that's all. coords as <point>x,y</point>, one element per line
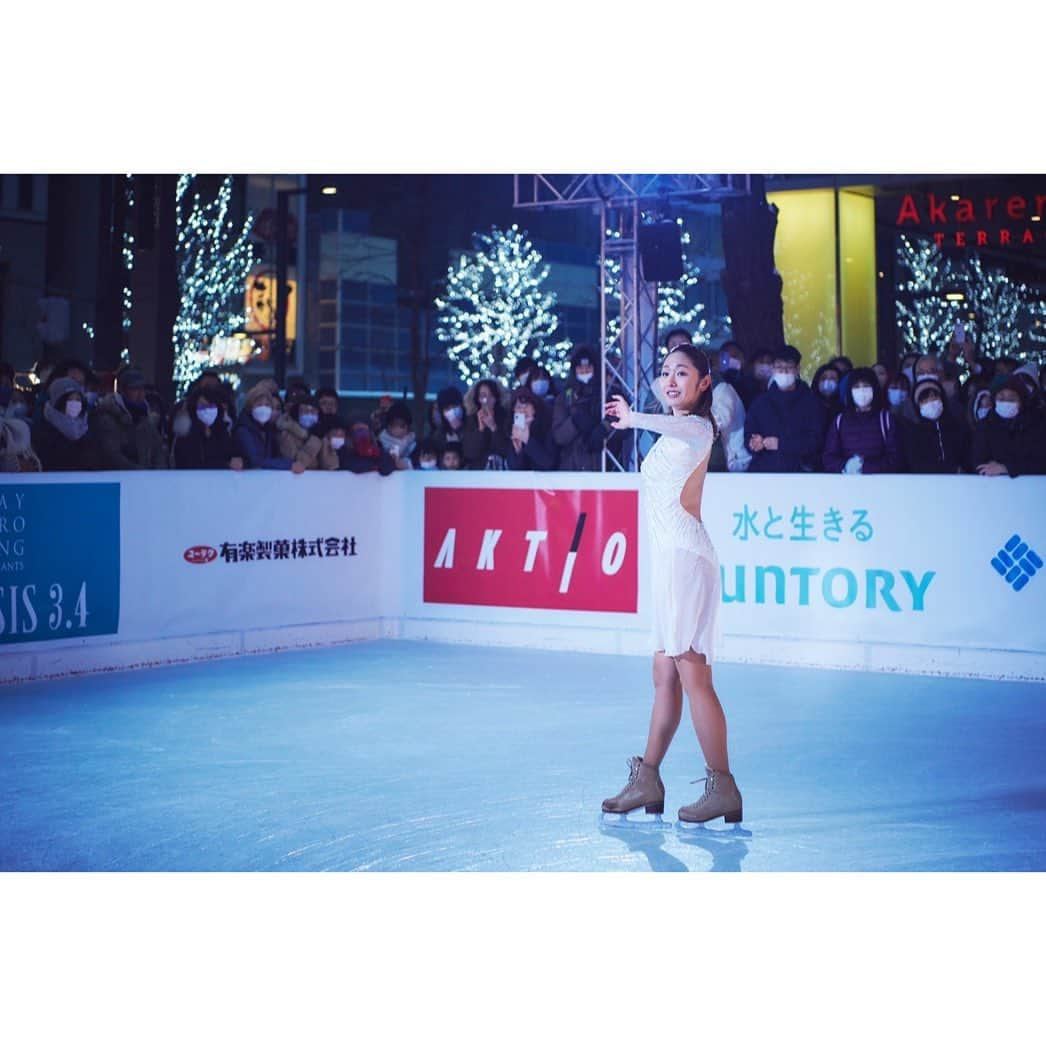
<point>630,358</point>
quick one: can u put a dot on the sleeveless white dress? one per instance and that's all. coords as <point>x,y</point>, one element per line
<point>684,567</point>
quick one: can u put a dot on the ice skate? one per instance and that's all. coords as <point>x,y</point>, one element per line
<point>721,799</point>
<point>644,790</point>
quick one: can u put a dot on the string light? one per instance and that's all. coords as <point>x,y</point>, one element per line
<point>128,265</point>
<point>495,313</point>
<point>213,265</point>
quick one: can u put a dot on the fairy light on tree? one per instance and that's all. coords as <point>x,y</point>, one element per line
<point>213,261</point>
<point>925,318</point>
<point>997,303</point>
<point>496,311</point>
<point>127,299</point>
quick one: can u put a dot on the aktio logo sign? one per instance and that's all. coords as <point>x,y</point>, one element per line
<point>200,554</point>
<point>544,549</point>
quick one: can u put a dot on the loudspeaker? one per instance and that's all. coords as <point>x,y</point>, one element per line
<point>661,251</point>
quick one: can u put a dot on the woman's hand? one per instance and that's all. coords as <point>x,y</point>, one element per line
<point>993,468</point>
<point>619,409</point>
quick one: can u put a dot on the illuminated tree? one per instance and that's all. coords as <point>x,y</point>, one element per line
<point>925,318</point>
<point>495,312</point>
<point>213,260</point>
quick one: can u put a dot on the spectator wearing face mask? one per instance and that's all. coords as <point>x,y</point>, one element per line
<point>70,367</point>
<point>936,443</point>
<point>825,385</point>
<point>428,455</point>
<point>297,432</point>
<point>982,403</point>
<point>578,429</point>
<point>728,453</point>
<point>451,428</point>
<point>925,366</point>
<point>126,434</point>
<point>327,398</point>
<point>484,444</point>
<point>761,372</point>
<point>531,447</point>
<point>785,425</point>
<point>1011,441</point>
<point>397,436</point>
<point>864,438</point>
<point>207,443</point>
<point>541,384</point>
<point>363,453</point>
<point>898,389</point>
<point>62,438</point>
<point>1028,375</point>
<point>333,433</point>
<point>521,372</point>
<point>732,369</point>
<point>255,435</point>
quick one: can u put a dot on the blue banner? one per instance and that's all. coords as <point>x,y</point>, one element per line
<point>59,561</point>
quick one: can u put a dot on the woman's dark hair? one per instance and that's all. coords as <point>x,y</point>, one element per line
<point>864,376</point>
<point>306,401</point>
<point>699,359</point>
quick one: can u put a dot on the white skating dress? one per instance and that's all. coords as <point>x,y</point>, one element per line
<point>684,567</point>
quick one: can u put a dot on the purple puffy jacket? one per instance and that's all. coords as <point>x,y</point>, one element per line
<point>874,435</point>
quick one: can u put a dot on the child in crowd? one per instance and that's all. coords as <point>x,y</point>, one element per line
<point>397,436</point>
<point>451,458</point>
<point>428,455</point>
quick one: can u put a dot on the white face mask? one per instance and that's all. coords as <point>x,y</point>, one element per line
<point>828,386</point>
<point>261,414</point>
<point>308,420</point>
<point>337,442</point>
<point>427,463</point>
<point>931,409</point>
<point>586,378</point>
<point>763,371</point>
<point>863,396</point>
<point>784,379</point>
<point>983,412</point>
<point>452,414</point>
<point>208,415</point>
<point>1007,409</point>
<point>73,408</point>
<point>897,396</point>
<point>540,386</point>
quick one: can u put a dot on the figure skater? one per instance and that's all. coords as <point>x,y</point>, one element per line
<point>686,590</point>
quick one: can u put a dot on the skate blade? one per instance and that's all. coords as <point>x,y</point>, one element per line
<point>635,819</point>
<point>709,827</point>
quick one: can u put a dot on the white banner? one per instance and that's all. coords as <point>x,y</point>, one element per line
<point>902,573</point>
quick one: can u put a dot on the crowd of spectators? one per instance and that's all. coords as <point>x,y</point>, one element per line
<point>949,413</point>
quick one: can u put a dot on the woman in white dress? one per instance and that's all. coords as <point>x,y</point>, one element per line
<point>686,590</point>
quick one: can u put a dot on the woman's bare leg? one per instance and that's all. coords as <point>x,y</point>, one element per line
<point>667,711</point>
<point>705,709</point>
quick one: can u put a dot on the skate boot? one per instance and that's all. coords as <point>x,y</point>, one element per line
<point>644,789</point>
<point>721,799</point>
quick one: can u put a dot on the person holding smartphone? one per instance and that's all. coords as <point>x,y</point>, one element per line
<point>686,590</point>
<point>530,441</point>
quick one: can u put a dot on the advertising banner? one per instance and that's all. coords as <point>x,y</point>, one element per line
<point>543,549</point>
<point>59,561</point>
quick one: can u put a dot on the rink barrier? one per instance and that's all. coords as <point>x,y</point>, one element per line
<point>916,574</point>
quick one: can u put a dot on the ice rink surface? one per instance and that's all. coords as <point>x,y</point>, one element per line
<point>409,756</point>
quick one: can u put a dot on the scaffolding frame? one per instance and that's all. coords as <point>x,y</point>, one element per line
<point>629,360</point>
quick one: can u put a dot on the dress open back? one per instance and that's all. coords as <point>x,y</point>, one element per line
<point>683,564</point>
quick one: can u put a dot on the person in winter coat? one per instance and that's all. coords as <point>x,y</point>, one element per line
<point>296,428</point>
<point>825,385</point>
<point>127,436</point>
<point>397,435</point>
<point>736,375</point>
<point>936,442</point>
<point>363,453</point>
<point>16,449</point>
<point>484,443</point>
<point>865,437</point>
<point>208,444</point>
<point>255,435</point>
<point>784,425</point>
<point>578,428</point>
<point>1012,440</point>
<point>62,437</point>
<point>451,427</point>
<point>531,446</point>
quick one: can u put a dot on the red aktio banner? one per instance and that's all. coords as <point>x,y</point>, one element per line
<point>546,549</point>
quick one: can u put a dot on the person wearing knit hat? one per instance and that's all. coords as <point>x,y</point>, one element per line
<point>1011,441</point>
<point>62,438</point>
<point>578,428</point>
<point>257,440</point>
<point>936,443</point>
<point>128,437</point>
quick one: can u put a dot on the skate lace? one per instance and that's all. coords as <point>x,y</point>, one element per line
<point>633,772</point>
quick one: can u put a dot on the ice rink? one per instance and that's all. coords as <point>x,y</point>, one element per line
<point>408,756</point>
